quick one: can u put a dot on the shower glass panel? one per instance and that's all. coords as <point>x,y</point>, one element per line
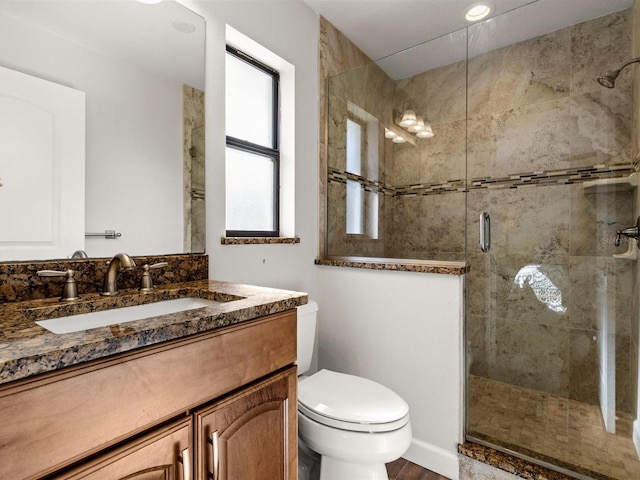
<point>409,197</point>
<point>552,354</point>
<point>198,218</point>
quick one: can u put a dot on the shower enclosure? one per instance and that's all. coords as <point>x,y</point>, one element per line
<point>552,348</point>
<point>531,150</point>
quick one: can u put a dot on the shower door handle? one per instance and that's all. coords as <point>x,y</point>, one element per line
<point>485,232</point>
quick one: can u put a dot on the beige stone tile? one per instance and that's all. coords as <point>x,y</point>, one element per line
<point>528,72</point>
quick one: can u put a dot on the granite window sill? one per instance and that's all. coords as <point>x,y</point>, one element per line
<point>258,240</point>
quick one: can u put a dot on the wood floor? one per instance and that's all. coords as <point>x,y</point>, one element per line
<point>403,469</point>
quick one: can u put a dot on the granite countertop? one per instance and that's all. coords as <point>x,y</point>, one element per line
<point>28,349</point>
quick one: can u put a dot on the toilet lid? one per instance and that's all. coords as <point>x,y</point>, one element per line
<point>351,402</point>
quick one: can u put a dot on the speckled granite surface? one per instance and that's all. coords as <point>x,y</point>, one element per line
<point>448,268</point>
<point>258,240</point>
<point>516,466</point>
<point>27,349</point>
<point>19,280</point>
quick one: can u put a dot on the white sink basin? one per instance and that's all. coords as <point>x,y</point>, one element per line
<point>86,321</point>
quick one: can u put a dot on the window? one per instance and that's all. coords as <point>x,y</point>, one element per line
<point>252,153</point>
<point>362,163</point>
<point>355,192</point>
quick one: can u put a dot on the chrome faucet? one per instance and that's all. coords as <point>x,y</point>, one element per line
<point>120,260</point>
<point>631,232</point>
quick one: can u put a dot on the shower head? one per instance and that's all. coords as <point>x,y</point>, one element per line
<point>608,80</point>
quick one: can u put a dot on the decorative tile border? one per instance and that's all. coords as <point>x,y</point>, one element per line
<point>566,176</point>
<point>338,176</point>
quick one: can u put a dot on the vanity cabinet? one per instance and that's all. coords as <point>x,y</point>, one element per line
<point>247,436</point>
<point>138,415</point>
<point>244,436</point>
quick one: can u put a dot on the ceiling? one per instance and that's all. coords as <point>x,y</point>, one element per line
<point>167,39</point>
<point>407,37</point>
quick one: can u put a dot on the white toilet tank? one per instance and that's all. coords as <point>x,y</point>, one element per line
<point>306,335</point>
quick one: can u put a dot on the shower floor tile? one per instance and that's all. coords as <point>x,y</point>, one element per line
<point>556,429</point>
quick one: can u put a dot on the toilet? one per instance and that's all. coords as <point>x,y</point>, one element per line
<point>355,425</point>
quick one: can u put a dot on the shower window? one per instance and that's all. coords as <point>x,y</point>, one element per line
<point>355,194</point>
<point>361,172</point>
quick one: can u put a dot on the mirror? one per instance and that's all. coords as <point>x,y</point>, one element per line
<point>141,68</point>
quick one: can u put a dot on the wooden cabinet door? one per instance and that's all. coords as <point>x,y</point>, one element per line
<point>252,435</point>
<point>164,454</point>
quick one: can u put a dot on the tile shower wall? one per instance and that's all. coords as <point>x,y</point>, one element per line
<point>193,168</point>
<point>428,215</point>
<point>535,108</point>
<point>345,93</point>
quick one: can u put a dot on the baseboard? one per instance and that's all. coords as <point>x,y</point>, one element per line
<point>636,436</point>
<point>433,458</point>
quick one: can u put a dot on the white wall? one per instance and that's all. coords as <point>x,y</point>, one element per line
<point>401,329</point>
<point>133,139</point>
<point>290,30</point>
<point>404,330</point>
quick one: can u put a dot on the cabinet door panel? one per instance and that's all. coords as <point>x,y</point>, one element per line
<point>164,472</point>
<point>156,456</point>
<point>256,432</point>
<point>263,426</point>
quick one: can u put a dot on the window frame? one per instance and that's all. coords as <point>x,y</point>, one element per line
<point>369,172</point>
<point>362,172</point>
<point>272,152</point>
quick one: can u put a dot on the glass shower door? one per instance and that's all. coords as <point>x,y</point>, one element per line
<point>551,345</point>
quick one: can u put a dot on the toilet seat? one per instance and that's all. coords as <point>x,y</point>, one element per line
<point>351,403</point>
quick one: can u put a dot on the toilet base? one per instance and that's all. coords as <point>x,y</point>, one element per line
<point>332,469</point>
<point>349,455</point>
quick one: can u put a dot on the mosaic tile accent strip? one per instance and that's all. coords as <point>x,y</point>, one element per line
<point>338,176</point>
<point>554,177</point>
<point>515,180</point>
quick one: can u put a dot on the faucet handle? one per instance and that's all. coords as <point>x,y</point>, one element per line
<point>70,289</point>
<point>146,282</point>
<point>631,232</point>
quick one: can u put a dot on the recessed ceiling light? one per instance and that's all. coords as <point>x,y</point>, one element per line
<point>150,2</point>
<point>184,27</point>
<point>478,11</point>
